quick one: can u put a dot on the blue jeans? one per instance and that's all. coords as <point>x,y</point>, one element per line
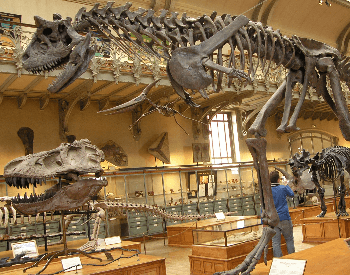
<point>286,228</point>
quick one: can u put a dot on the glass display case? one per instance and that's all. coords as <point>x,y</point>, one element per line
<point>228,234</point>
<point>184,190</point>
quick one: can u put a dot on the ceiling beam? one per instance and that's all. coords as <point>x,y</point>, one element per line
<point>9,80</point>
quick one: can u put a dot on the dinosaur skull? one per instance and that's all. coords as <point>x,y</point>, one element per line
<point>54,44</point>
<point>67,161</point>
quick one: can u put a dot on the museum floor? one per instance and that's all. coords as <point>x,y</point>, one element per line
<point>177,261</point>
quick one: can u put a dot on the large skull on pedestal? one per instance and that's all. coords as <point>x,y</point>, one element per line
<point>67,161</point>
<point>54,44</point>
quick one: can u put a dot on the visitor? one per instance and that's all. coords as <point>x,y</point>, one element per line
<point>285,226</point>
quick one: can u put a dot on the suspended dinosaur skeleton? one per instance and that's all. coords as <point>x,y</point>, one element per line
<point>188,45</point>
<point>329,165</point>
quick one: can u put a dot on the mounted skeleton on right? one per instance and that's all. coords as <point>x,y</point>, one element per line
<point>329,165</point>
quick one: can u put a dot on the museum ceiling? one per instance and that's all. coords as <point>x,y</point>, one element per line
<point>110,82</point>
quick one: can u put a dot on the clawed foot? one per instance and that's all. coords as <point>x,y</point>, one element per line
<point>254,256</point>
<point>343,213</point>
<point>322,214</point>
<point>89,246</point>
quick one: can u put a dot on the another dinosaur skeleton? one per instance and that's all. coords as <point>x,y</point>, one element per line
<point>122,208</point>
<point>188,44</point>
<point>300,180</point>
<point>328,165</point>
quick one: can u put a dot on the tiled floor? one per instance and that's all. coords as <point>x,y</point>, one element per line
<point>177,262</point>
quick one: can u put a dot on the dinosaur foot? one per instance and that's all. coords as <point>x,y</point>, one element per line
<point>89,246</point>
<point>254,256</point>
<point>343,213</point>
<point>321,215</point>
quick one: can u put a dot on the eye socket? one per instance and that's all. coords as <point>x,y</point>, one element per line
<point>68,40</point>
<point>61,28</point>
<point>47,31</point>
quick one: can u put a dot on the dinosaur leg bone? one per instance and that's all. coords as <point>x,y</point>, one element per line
<point>258,126</point>
<point>253,257</point>
<point>269,216</point>
<point>326,65</point>
<point>291,79</point>
<point>92,245</point>
<point>320,191</point>
<point>309,68</point>
<point>257,147</point>
<point>342,204</point>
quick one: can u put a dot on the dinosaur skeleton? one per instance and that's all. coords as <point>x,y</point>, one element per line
<point>122,208</point>
<point>188,45</point>
<point>68,161</point>
<point>328,165</point>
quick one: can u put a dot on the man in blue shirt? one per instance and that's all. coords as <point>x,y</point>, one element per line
<point>285,226</point>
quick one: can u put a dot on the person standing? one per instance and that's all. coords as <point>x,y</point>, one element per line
<point>285,226</point>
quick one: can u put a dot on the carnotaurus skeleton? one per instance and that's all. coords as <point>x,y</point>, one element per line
<point>328,165</point>
<point>188,44</point>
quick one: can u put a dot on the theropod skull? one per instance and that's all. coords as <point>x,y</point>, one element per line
<point>67,161</point>
<point>54,44</point>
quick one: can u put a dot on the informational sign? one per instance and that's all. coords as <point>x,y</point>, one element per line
<point>71,264</point>
<point>220,216</point>
<point>240,224</point>
<point>29,249</point>
<point>287,267</point>
<point>113,240</point>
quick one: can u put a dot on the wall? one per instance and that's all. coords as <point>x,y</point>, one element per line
<point>97,128</point>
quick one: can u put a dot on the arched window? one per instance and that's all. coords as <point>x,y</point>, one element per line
<point>224,144</point>
<point>311,140</point>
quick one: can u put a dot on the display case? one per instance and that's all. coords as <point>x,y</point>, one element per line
<point>185,190</point>
<point>228,234</point>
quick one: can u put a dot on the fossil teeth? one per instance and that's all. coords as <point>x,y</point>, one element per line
<point>9,181</point>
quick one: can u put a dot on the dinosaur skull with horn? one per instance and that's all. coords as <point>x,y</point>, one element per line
<point>54,44</point>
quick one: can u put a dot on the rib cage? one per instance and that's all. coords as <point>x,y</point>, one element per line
<point>332,162</point>
<point>165,34</point>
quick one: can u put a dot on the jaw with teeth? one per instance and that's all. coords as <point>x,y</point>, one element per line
<point>68,161</point>
<point>69,197</point>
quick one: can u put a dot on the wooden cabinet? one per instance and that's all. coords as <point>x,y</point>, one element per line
<point>181,234</point>
<point>320,230</point>
<point>206,260</point>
